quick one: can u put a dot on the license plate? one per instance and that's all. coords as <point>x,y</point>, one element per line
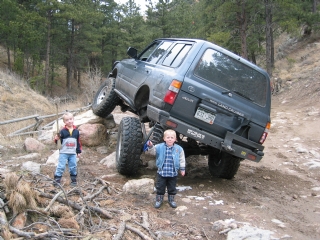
<point>205,116</point>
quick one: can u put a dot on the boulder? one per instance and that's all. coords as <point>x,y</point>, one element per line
<point>92,134</point>
<point>33,145</point>
<point>88,117</point>
<point>31,167</point>
<point>139,186</point>
<point>54,158</point>
<point>109,161</point>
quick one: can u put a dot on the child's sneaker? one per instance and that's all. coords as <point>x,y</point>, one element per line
<point>57,181</point>
<point>73,184</point>
<point>73,180</point>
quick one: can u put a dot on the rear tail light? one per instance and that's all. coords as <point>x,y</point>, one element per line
<point>172,92</point>
<point>171,124</point>
<point>265,133</point>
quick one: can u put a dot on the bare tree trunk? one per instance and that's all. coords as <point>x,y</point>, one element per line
<point>79,78</point>
<point>47,64</point>
<point>242,20</point>
<point>268,10</point>
<point>314,6</point>
<point>70,58</point>
<point>244,47</point>
<point>272,48</point>
<point>9,58</point>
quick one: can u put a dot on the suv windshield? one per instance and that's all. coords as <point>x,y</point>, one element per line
<point>233,76</point>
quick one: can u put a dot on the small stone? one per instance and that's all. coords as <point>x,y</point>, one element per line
<point>313,194</point>
<point>294,196</point>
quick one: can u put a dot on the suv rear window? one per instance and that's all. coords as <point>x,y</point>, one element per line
<point>233,76</point>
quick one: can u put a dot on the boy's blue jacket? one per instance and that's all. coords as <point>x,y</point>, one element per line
<point>177,152</point>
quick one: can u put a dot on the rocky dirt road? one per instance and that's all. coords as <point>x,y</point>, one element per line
<point>280,195</point>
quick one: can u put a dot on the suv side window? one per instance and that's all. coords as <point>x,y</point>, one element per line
<point>233,76</point>
<point>145,55</point>
<point>176,55</point>
<point>159,52</point>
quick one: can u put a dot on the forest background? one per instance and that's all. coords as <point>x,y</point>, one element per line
<point>49,40</point>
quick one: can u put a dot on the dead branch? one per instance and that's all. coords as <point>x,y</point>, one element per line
<point>40,235</point>
<point>4,225</point>
<point>105,183</point>
<point>52,201</point>
<point>121,230</point>
<point>77,206</point>
<point>58,184</point>
<point>145,222</point>
<point>137,231</point>
<point>90,197</point>
<point>204,232</point>
<point>148,229</point>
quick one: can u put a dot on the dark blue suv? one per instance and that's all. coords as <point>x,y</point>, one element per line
<point>217,102</point>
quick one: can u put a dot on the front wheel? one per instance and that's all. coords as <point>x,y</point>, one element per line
<point>129,146</point>
<point>106,99</point>
<point>223,165</point>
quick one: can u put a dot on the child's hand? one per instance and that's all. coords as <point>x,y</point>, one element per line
<point>79,155</point>
<point>56,137</point>
<point>150,144</point>
<point>182,173</point>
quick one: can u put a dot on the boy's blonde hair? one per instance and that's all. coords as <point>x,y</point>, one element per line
<point>169,131</point>
<point>67,114</point>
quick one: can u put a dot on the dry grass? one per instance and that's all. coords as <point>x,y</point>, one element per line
<point>19,193</point>
<point>18,100</point>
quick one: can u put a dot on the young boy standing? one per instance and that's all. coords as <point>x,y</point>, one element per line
<point>170,159</point>
<point>70,149</point>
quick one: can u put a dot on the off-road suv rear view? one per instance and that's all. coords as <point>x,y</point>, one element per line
<point>217,102</point>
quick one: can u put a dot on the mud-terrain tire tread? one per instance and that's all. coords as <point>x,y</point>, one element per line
<point>129,146</point>
<point>225,166</point>
<point>109,102</point>
<point>157,134</point>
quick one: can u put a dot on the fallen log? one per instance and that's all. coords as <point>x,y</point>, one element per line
<point>121,230</point>
<point>137,231</point>
<point>77,206</point>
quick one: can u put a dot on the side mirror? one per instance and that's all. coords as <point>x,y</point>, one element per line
<point>132,52</point>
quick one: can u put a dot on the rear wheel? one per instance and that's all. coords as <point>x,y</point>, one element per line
<point>106,99</point>
<point>129,146</point>
<point>157,134</point>
<point>223,165</point>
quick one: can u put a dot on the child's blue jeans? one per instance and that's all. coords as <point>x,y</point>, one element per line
<point>72,164</point>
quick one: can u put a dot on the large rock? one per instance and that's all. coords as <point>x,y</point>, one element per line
<point>33,145</point>
<point>31,167</point>
<point>140,186</point>
<point>88,117</point>
<point>54,158</point>
<point>110,161</point>
<point>92,134</point>
<point>249,232</point>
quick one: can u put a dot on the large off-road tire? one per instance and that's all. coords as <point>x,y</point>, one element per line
<point>129,146</point>
<point>106,99</point>
<point>157,134</point>
<point>223,165</point>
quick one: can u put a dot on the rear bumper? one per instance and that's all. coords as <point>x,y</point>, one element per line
<point>252,151</point>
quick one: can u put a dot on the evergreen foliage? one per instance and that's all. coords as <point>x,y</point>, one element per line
<point>83,35</point>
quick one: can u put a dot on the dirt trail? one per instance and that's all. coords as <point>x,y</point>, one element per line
<point>280,194</point>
